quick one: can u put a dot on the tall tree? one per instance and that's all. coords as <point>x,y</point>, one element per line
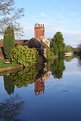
<point>8,43</point>
<point>58,43</point>
<point>9,15</point>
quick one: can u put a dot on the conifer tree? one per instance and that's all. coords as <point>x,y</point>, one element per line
<point>8,43</point>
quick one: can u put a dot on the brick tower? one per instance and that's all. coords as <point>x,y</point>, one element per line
<point>39,31</point>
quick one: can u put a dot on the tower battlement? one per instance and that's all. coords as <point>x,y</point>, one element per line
<point>39,31</point>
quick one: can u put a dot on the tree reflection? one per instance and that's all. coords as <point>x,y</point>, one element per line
<point>68,58</point>
<point>22,78</point>
<point>57,68</point>
<point>8,84</point>
<point>11,108</point>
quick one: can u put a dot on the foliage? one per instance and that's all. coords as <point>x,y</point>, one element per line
<point>24,55</point>
<point>77,51</point>
<point>8,43</point>
<point>68,48</point>
<point>10,105</point>
<point>57,44</point>
<point>9,15</point>
<point>57,68</point>
<point>26,76</point>
<point>68,58</point>
<point>49,53</point>
<point>8,84</point>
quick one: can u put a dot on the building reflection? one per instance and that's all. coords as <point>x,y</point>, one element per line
<point>39,84</point>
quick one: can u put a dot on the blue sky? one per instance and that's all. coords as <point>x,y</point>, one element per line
<point>56,15</point>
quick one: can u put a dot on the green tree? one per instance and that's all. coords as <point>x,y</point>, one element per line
<point>69,48</point>
<point>9,14</point>
<point>57,44</point>
<point>8,43</point>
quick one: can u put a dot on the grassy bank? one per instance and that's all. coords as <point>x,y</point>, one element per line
<point>3,65</point>
<point>8,67</point>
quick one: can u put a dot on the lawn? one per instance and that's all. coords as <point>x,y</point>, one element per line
<point>3,65</point>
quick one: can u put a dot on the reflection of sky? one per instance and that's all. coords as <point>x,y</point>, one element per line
<point>72,67</point>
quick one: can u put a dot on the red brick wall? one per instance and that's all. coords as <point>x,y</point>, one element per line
<point>18,42</point>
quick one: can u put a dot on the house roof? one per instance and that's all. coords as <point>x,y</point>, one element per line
<point>19,42</point>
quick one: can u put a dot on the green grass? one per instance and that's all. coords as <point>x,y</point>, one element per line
<point>3,65</point>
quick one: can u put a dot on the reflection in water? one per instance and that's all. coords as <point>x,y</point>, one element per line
<point>8,84</point>
<point>68,58</point>
<point>39,86</point>
<point>37,75</point>
<point>11,108</point>
<point>62,100</point>
<point>79,61</point>
<point>57,68</point>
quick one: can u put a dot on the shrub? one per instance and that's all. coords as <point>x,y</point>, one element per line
<point>24,55</point>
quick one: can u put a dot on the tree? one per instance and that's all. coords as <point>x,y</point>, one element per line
<point>69,48</point>
<point>58,44</point>
<point>8,43</point>
<point>6,6</point>
<point>9,16</point>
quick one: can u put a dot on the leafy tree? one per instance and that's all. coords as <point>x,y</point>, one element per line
<point>58,44</point>
<point>8,43</point>
<point>9,16</point>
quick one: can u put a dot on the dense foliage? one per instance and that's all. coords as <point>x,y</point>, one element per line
<point>8,43</point>
<point>57,68</point>
<point>57,44</point>
<point>22,78</point>
<point>24,55</point>
<point>49,53</point>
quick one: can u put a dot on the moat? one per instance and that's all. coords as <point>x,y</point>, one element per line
<point>51,92</point>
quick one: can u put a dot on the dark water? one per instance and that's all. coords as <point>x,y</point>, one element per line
<point>48,93</point>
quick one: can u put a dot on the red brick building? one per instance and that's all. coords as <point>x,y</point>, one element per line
<point>39,86</point>
<point>39,31</point>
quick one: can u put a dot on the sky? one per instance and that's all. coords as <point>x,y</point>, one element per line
<point>56,15</point>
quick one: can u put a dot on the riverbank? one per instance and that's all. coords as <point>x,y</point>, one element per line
<point>8,66</point>
<point>10,69</point>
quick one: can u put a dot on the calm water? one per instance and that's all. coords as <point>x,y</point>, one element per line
<point>48,93</point>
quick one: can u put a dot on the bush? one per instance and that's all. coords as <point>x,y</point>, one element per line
<point>24,55</point>
<point>8,43</point>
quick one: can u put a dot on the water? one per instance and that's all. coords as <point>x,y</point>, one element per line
<point>49,93</point>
